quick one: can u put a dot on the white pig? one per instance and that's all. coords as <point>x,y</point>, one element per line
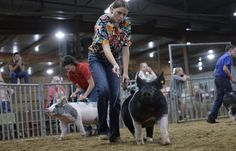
<point>78,113</point>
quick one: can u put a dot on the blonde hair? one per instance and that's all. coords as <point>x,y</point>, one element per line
<point>177,70</point>
<point>57,79</point>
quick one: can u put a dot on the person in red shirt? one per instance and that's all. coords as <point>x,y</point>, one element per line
<point>79,74</point>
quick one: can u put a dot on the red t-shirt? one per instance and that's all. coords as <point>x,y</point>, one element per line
<point>81,75</point>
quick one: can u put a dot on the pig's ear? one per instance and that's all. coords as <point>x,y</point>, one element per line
<point>139,81</point>
<point>160,81</point>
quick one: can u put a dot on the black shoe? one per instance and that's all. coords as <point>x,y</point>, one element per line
<point>115,140</point>
<point>211,121</point>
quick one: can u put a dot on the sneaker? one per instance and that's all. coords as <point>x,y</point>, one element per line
<point>212,121</point>
<point>103,137</point>
<point>149,140</point>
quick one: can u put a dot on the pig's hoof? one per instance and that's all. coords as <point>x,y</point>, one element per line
<point>167,142</point>
<point>140,142</point>
<point>60,138</point>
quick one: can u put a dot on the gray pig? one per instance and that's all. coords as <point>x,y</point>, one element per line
<point>77,113</point>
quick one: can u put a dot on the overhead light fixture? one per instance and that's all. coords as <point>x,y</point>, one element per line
<point>151,55</point>
<point>60,35</point>
<point>36,48</point>
<point>188,43</point>
<point>211,56</point>
<point>200,68</point>
<point>36,37</point>
<point>2,69</point>
<point>151,44</point>
<point>49,71</point>
<point>200,64</point>
<point>210,51</point>
<point>15,49</point>
<point>200,59</point>
<point>49,63</point>
<point>188,28</point>
<point>234,14</point>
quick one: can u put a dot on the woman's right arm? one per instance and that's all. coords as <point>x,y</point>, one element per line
<point>110,58</point>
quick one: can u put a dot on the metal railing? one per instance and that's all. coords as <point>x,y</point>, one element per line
<point>26,117</point>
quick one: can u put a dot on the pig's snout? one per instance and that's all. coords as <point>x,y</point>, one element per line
<point>47,111</point>
<point>146,94</point>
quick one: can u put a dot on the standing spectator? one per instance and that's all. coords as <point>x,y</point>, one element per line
<point>111,38</point>
<point>79,74</point>
<point>17,68</point>
<point>223,77</point>
<point>146,73</point>
<point>56,91</point>
<point>5,95</point>
<point>179,79</point>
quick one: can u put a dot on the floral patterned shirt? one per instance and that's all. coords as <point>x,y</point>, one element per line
<point>107,33</point>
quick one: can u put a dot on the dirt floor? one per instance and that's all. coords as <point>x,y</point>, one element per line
<point>188,136</point>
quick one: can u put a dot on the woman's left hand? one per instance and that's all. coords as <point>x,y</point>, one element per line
<point>82,97</point>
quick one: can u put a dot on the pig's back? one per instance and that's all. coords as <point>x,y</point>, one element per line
<point>88,112</point>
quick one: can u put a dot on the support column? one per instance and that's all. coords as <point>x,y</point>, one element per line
<point>185,53</point>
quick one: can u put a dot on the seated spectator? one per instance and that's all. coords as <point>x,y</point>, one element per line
<point>17,69</point>
<point>5,95</point>
<point>56,92</point>
<point>146,73</point>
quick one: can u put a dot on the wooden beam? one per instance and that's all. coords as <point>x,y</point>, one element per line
<point>34,44</point>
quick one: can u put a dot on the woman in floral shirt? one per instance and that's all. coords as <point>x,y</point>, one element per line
<point>110,41</point>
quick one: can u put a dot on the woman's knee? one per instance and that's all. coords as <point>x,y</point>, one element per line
<point>103,91</point>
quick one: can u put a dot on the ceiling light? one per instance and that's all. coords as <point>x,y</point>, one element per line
<point>200,68</point>
<point>188,43</point>
<point>200,58</point>
<point>210,51</point>
<point>2,70</point>
<point>36,37</point>
<point>60,35</point>
<point>211,56</point>
<point>36,48</point>
<point>15,49</point>
<point>234,14</point>
<point>49,63</point>
<point>200,64</point>
<point>151,44</point>
<point>151,55</point>
<point>49,71</point>
<point>188,29</point>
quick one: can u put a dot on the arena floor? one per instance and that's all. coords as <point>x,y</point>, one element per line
<point>189,136</point>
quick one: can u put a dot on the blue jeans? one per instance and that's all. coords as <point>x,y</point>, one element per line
<point>108,89</point>
<point>222,85</point>
<point>15,75</point>
<point>5,106</point>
